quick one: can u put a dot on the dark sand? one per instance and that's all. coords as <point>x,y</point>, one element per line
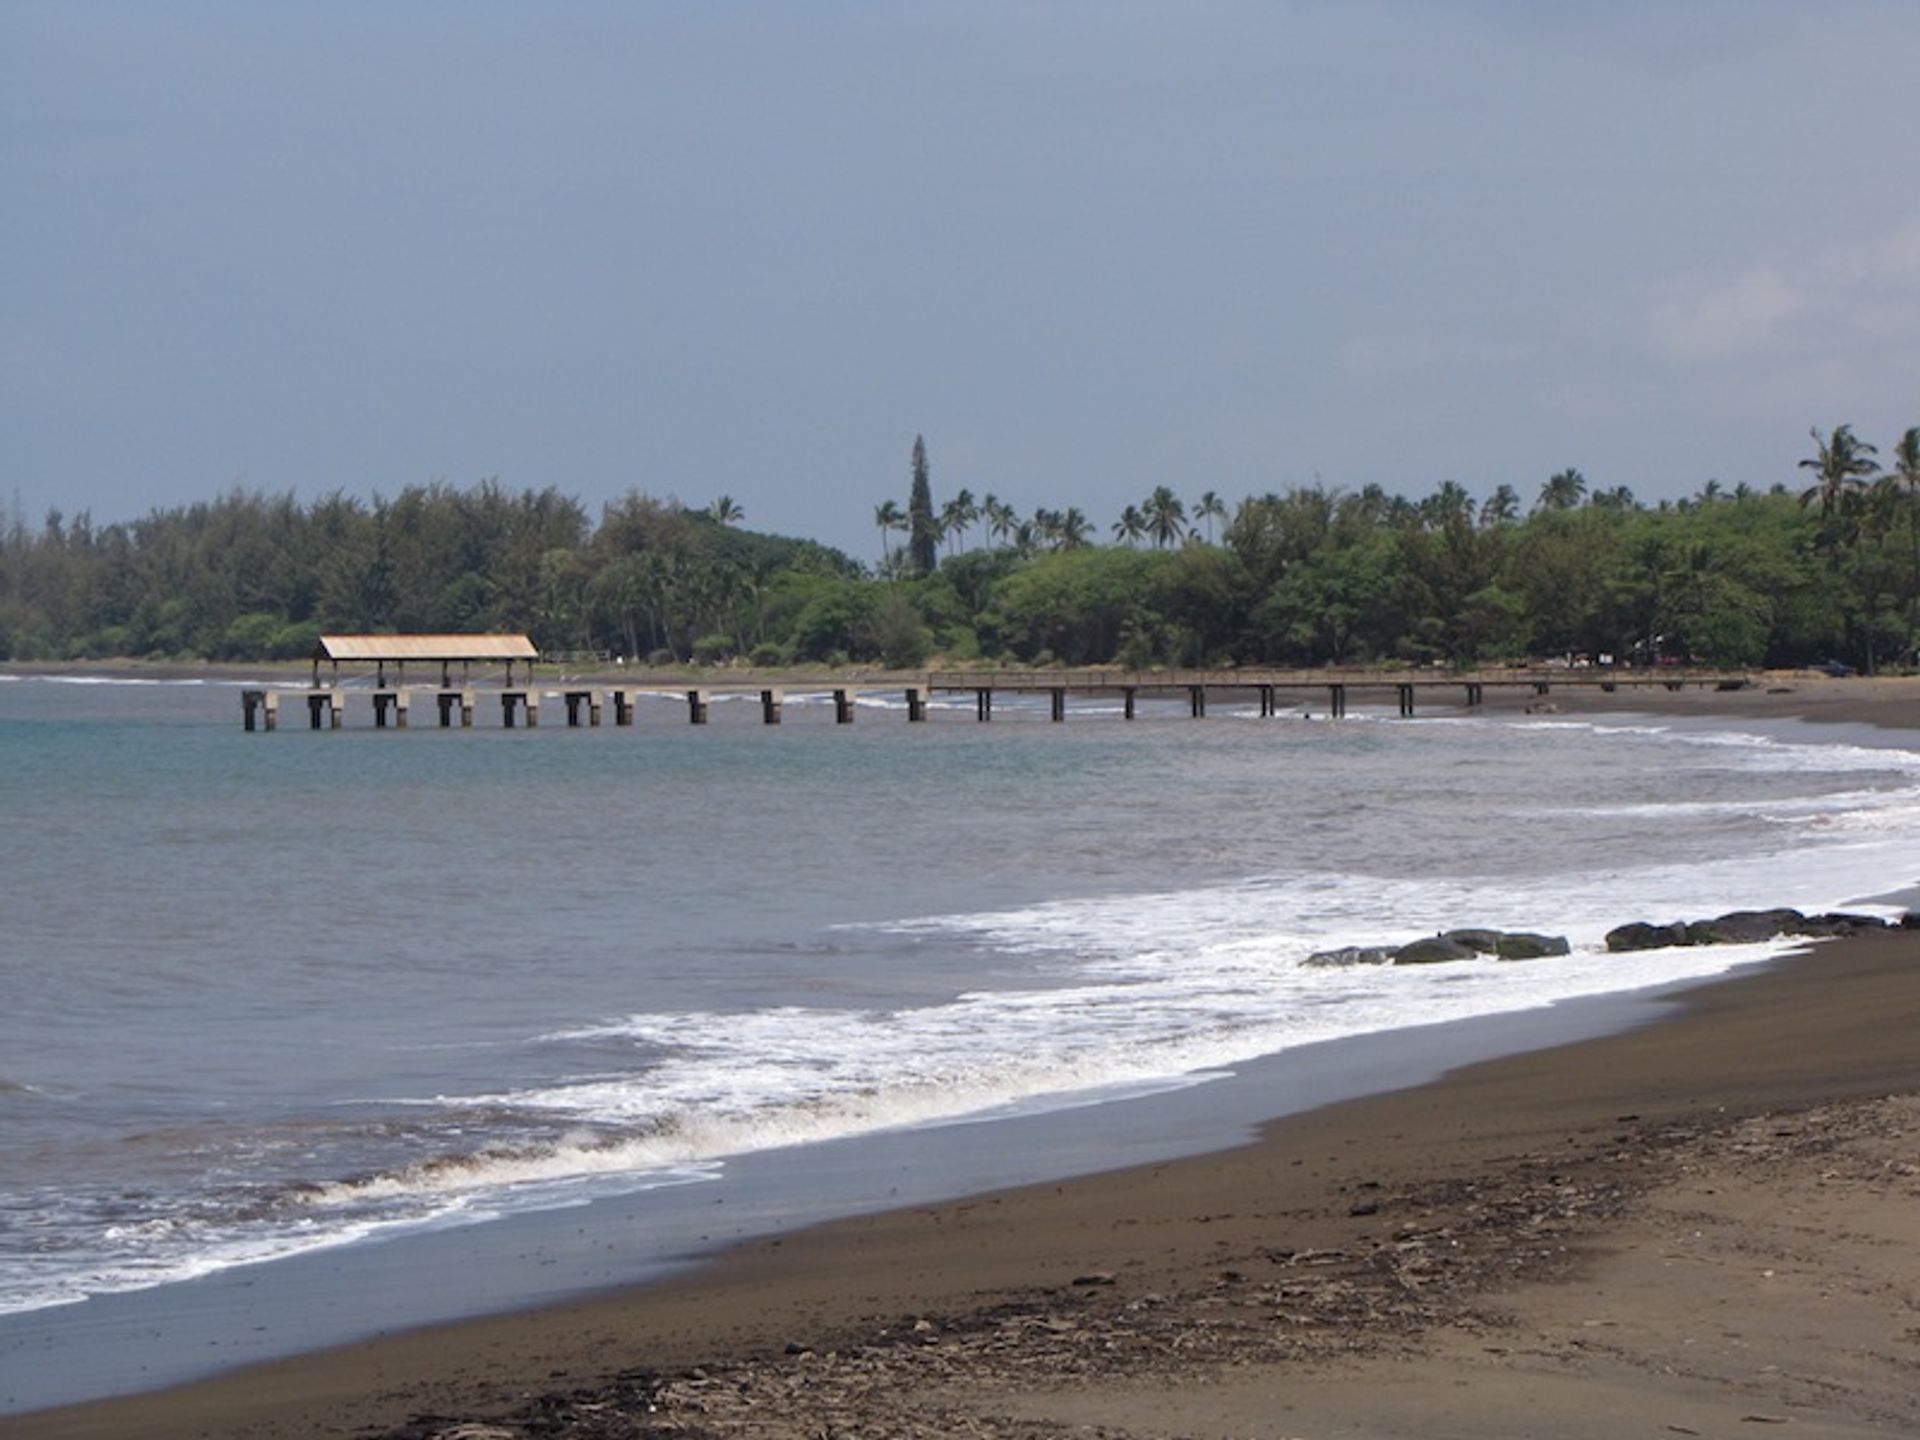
<point>1709,1225</point>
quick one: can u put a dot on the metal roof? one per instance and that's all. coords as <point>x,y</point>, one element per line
<point>425,647</point>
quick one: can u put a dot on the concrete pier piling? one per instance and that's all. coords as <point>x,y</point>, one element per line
<point>843,706</point>
<point>771,704</point>
<point>698,702</point>
<point>451,702</point>
<point>260,709</point>
<point>579,700</point>
<point>622,706</point>
<point>392,703</point>
<point>518,702</point>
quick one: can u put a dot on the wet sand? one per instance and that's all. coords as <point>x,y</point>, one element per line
<point>1707,1225</point>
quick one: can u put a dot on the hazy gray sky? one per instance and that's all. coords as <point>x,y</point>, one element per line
<point>1085,247</point>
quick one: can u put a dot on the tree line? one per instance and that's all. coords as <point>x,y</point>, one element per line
<point>1827,568</point>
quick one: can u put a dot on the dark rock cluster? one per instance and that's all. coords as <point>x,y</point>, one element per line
<point>1453,945</point>
<point>1737,927</point>
<point>1743,927</point>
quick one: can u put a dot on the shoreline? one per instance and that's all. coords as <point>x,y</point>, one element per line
<point>1144,1256</point>
<point>727,1313</point>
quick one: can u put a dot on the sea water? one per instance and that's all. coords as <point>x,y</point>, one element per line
<point>270,995</point>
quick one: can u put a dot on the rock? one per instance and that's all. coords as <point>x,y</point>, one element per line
<point>1437,951</point>
<point>1351,955</point>
<point>1744,927</point>
<point>1839,922</point>
<point>1521,945</point>
<point>1639,935</point>
<point>1486,942</point>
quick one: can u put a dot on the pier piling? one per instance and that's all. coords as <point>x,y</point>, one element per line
<point>698,702</point>
<point>330,703</point>
<point>771,703</point>
<point>262,706</point>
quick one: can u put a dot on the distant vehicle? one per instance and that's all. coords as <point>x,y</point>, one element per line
<point>1838,669</point>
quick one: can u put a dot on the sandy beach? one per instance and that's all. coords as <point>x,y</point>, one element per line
<point>1704,1226</point>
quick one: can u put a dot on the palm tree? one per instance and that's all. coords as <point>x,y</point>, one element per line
<point>1448,505</point>
<point>999,517</point>
<point>1711,493</point>
<point>1839,463</point>
<point>1209,509</point>
<point>725,511</point>
<point>1046,525</point>
<point>1906,476</point>
<point>956,516</point>
<point>1501,508</point>
<point>1165,517</point>
<point>888,518</point>
<point>1131,527</point>
<point>1072,529</point>
<point>1563,491</point>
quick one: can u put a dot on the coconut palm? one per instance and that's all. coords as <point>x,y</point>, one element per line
<point>1209,509</point>
<point>957,516</point>
<point>1563,491</point>
<point>1449,505</point>
<point>1072,529</point>
<point>1501,508</point>
<point>1905,477</point>
<point>888,518</point>
<point>1840,463</point>
<point>999,517</point>
<point>1165,516</point>
<point>1131,527</point>
<point>726,511</point>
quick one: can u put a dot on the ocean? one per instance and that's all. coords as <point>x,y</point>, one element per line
<point>291,1000</point>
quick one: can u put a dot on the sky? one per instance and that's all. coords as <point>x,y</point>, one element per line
<point>1084,247</point>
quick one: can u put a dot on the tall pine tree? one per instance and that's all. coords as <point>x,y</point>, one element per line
<point>923,531</point>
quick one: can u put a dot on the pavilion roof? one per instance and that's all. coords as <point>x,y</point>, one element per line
<point>425,647</point>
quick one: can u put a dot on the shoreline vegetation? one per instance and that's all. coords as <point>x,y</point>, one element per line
<point>1702,1225</point>
<point>1311,575</point>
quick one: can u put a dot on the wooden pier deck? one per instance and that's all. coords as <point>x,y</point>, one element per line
<point>391,706</point>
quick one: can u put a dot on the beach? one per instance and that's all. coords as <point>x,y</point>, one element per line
<point>1699,1226</point>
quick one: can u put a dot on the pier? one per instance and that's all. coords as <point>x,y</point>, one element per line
<point>1329,691</point>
